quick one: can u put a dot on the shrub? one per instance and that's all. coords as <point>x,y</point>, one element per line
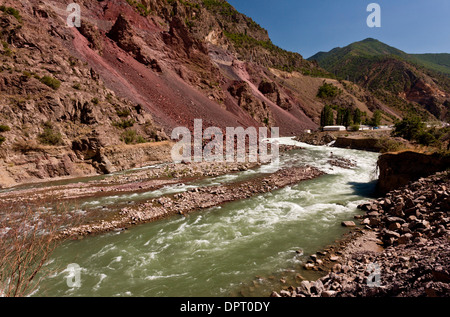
<point>6,49</point>
<point>129,136</point>
<point>123,113</point>
<point>2,139</point>
<point>4,128</point>
<point>354,127</point>
<point>386,144</point>
<point>426,138</point>
<point>327,91</point>
<point>51,82</point>
<point>11,11</point>
<point>140,139</point>
<point>124,124</point>
<point>409,128</point>
<point>49,136</point>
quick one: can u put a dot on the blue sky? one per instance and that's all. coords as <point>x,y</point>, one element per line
<point>310,26</point>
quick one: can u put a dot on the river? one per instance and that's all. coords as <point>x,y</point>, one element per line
<point>243,248</point>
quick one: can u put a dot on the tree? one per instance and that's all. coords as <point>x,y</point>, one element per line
<point>327,116</point>
<point>340,116</point>
<point>409,128</point>
<point>28,236</point>
<point>376,119</point>
<point>357,114</point>
<point>328,91</point>
<point>347,121</point>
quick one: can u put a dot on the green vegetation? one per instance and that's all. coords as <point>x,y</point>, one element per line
<point>328,91</point>
<point>376,119</point>
<point>49,136</point>
<point>140,7</point>
<point>124,124</point>
<point>413,129</point>
<point>223,7</point>
<point>11,11</point>
<point>6,50</point>
<point>95,101</point>
<point>436,62</point>
<point>409,128</point>
<point>123,113</point>
<point>76,86</point>
<point>4,128</point>
<point>386,71</point>
<point>327,116</point>
<point>131,137</point>
<point>51,82</point>
<point>386,144</point>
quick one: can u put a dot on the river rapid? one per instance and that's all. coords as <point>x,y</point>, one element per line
<point>243,248</point>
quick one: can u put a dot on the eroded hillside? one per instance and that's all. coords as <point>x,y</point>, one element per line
<point>132,72</point>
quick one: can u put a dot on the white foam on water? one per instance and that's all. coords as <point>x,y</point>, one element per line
<point>157,277</point>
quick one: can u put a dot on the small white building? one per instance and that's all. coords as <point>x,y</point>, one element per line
<point>365,128</point>
<point>334,128</point>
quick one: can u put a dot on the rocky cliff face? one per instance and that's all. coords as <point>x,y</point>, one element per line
<point>399,169</point>
<point>132,72</point>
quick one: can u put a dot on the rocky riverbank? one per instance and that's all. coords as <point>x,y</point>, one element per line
<point>412,225</point>
<point>195,199</point>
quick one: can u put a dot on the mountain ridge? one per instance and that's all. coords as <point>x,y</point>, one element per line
<point>135,70</point>
<point>410,83</point>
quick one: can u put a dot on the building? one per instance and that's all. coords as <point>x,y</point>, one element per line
<point>334,128</point>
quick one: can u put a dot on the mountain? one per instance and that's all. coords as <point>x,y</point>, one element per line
<point>105,96</point>
<point>436,62</point>
<point>410,83</point>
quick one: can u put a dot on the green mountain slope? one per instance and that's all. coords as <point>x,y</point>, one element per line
<point>413,84</point>
<point>436,62</point>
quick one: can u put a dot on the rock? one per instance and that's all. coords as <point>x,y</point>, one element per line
<point>337,268</point>
<point>284,293</point>
<point>275,294</point>
<point>328,293</point>
<point>348,224</point>
<point>317,287</point>
<point>309,266</point>
<point>304,288</point>
<point>404,239</point>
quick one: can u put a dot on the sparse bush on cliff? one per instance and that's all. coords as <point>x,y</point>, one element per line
<point>11,11</point>
<point>124,124</point>
<point>131,137</point>
<point>2,139</point>
<point>49,136</point>
<point>123,113</point>
<point>386,144</point>
<point>51,82</point>
<point>328,91</point>
<point>4,128</point>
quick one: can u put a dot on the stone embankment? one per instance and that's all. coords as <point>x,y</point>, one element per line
<point>412,224</point>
